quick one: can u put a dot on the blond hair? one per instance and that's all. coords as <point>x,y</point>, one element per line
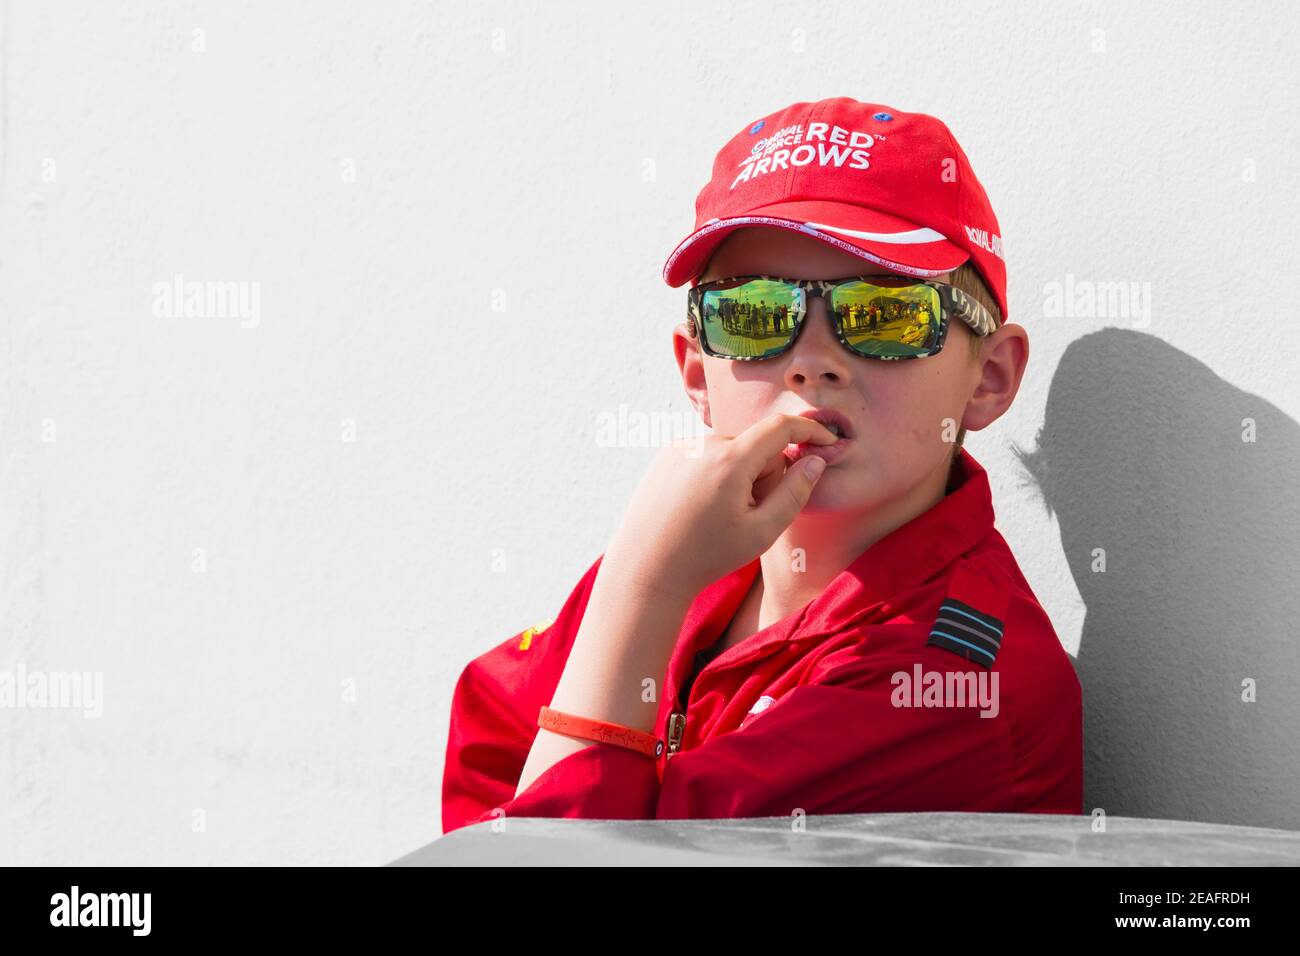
<point>967,278</point>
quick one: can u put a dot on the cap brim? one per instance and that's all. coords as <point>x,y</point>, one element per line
<point>881,238</point>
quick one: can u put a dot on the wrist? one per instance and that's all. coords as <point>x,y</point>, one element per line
<point>646,577</point>
<point>629,628</point>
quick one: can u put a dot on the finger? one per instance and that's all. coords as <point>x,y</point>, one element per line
<point>778,509</point>
<point>770,476</point>
<point>769,437</point>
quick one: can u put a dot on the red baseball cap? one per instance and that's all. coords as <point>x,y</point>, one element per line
<point>889,186</point>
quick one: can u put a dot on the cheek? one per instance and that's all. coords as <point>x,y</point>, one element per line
<point>909,408</point>
<point>736,404</point>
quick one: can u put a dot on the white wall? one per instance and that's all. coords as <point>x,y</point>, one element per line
<point>390,175</point>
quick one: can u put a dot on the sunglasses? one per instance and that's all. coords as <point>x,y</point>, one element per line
<point>749,318</point>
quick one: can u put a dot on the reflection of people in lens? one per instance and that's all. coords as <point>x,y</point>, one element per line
<point>918,333</point>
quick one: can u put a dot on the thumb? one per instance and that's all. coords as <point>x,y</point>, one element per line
<point>779,508</point>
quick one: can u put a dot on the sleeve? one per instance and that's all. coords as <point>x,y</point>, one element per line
<point>1045,702</point>
<point>844,745</point>
<point>494,711</point>
<point>600,782</point>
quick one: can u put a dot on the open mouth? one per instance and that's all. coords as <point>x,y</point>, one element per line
<point>837,424</point>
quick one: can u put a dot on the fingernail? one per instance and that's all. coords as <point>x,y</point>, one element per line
<point>813,466</point>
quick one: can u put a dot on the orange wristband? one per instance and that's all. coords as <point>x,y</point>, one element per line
<point>602,731</point>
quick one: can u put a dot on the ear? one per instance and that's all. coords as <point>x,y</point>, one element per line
<point>1002,366</point>
<point>690,363</point>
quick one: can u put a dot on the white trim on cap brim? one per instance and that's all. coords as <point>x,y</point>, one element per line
<point>919,236</point>
<point>815,230</point>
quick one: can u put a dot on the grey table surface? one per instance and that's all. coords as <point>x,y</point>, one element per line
<point>873,839</point>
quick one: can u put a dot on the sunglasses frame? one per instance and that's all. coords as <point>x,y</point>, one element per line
<point>952,302</point>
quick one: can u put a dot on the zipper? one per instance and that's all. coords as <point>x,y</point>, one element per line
<point>676,728</point>
<point>677,718</point>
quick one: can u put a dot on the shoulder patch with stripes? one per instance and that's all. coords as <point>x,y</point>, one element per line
<point>969,622</point>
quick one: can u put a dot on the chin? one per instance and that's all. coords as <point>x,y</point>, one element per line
<point>832,494</point>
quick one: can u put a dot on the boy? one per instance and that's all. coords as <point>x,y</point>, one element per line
<point>811,611</point>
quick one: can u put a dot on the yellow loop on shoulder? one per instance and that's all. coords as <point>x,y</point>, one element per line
<point>526,638</point>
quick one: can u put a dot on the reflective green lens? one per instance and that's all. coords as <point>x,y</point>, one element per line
<point>884,318</point>
<point>751,319</point>
<point>888,319</point>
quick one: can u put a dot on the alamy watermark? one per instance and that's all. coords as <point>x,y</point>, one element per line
<point>61,690</point>
<point>195,299</point>
<point>1087,299</point>
<point>129,910</point>
<point>919,688</point>
<point>636,429</point>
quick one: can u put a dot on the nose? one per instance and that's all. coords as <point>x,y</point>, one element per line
<point>817,356</point>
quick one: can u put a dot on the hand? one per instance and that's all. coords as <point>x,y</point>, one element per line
<point>710,505</point>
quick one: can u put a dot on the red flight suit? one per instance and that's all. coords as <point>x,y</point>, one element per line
<point>821,712</point>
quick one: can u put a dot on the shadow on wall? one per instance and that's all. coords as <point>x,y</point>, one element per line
<point>1142,457</point>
